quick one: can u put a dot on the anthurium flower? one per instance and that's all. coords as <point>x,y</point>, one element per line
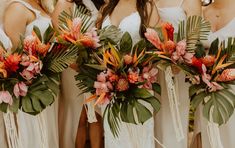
<point>20,89</point>
<point>5,97</point>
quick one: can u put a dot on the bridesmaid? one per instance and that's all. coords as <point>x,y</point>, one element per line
<point>221,14</point>
<point>174,12</point>
<point>74,115</point>
<point>34,131</point>
<point>130,16</point>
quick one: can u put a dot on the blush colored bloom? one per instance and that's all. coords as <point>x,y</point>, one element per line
<point>20,89</point>
<point>152,36</point>
<point>128,59</point>
<point>6,97</point>
<point>112,77</point>
<point>181,47</point>
<point>122,85</point>
<point>91,39</point>
<point>101,77</point>
<point>12,62</point>
<point>27,75</point>
<point>149,75</point>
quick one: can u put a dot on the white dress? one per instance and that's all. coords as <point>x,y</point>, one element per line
<point>40,131</point>
<point>164,130</point>
<point>130,136</point>
<point>3,137</point>
<point>227,131</point>
<point>71,102</point>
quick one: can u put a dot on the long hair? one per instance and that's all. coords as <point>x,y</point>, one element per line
<point>97,3</point>
<point>142,9</point>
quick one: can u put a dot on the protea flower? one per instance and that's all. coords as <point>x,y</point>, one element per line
<point>6,97</point>
<point>122,85</point>
<point>12,62</point>
<point>226,76</point>
<point>133,76</point>
<point>20,89</point>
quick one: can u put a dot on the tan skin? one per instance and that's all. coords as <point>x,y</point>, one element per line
<point>22,17</point>
<point>95,129</point>
<point>191,7</point>
<point>219,13</point>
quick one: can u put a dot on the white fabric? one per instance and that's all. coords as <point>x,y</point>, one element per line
<point>39,131</point>
<point>227,133</point>
<point>71,102</point>
<point>164,122</point>
<point>130,136</point>
<point>3,137</point>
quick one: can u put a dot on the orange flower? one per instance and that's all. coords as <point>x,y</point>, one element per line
<point>168,31</point>
<point>3,72</point>
<point>208,60</point>
<point>133,77</point>
<point>170,47</point>
<point>227,75</point>
<point>12,62</point>
<point>42,49</point>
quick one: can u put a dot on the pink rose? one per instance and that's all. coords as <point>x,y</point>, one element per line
<point>6,97</point>
<point>20,89</point>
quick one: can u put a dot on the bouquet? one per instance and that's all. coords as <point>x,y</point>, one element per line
<point>30,75</point>
<point>212,76</point>
<point>122,78</point>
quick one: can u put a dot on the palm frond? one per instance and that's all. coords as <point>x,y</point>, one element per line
<point>193,30</point>
<point>77,12</point>
<point>60,58</point>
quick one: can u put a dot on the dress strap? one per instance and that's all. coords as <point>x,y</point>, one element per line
<point>27,5</point>
<point>181,3</point>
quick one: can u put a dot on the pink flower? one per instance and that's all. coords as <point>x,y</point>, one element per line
<point>35,68</point>
<point>76,28</point>
<point>101,77</point>
<point>112,77</point>
<point>188,57</point>
<point>152,37</point>
<point>215,86</point>
<point>91,39</point>
<point>27,75</point>
<point>227,75</point>
<point>128,59</point>
<point>169,47</point>
<point>122,85</point>
<point>150,76</point>
<point>102,87</point>
<point>20,89</point>
<point>181,47</point>
<point>6,97</point>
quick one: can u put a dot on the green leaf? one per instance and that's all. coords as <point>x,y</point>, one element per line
<point>125,44</point>
<point>37,32</point>
<point>36,103</point>
<point>156,88</point>
<point>193,89</point>
<point>214,47</point>
<point>155,103</point>
<point>15,106</point>
<point>48,34</point>
<point>45,97</point>
<point>27,104</point>
<point>3,107</point>
<point>143,113</point>
<point>141,93</point>
<point>197,99</point>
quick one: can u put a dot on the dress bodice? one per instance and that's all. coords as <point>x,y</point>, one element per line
<point>4,39</point>
<point>172,15</point>
<point>42,22</point>
<point>224,33</point>
<point>130,24</point>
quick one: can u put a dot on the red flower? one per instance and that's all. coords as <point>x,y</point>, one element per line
<point>12,62</point>
<point>170,30</point>
<point>197,63</point>
<point>208,60</point>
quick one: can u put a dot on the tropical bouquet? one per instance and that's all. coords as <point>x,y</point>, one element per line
<point>122,78</point>
<point>30,75</point>
<point>212,76</point>
<point>177,48</point>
